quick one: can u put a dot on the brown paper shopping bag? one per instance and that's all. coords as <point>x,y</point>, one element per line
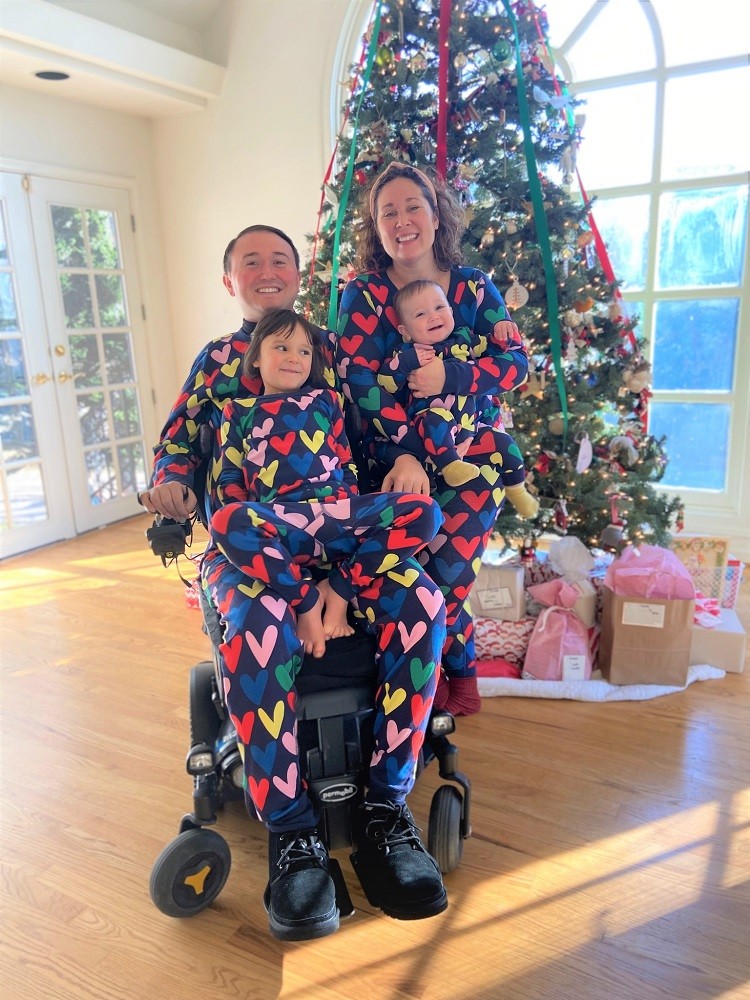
<point>645,640</point>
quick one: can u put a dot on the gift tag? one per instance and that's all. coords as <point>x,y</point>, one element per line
<point>493,600</point>
<point>574,668</point>
<point>646,615</point>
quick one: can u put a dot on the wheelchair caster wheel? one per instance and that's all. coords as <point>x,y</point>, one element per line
<point>190,873</point>
<point>444,840</point>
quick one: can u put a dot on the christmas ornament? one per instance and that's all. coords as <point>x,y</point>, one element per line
<point>528,552</point>
<point>585,453</point>
<point>502,50</point>
<point>613,536</point>
<point>556,424</point>
<point>584,239</point>
<point>506,415</point>
<point>560,517</point>
<point>535,384</point>
<point>418,63</point>
<point>510,227</point>
<point>460,60</point>
<point>623,451</point>
<point>384,57</point>
<point>488,238</point>
<point>583,305</point>
<point>516,296</point>
<point>360,176</point>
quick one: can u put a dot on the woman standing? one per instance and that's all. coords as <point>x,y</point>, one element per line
<point>411,229</point>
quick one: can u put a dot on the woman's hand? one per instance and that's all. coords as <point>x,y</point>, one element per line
<point>429,380</point>
<point>170,500</point>
<point>406,476</point>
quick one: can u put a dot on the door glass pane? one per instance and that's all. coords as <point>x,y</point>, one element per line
<point>12,368</point>
<point>84,356</point>
<point>76,294</point>
<point>100,476</point>
<point>67,226</point>
<point>705,98</point>
<point>118,358</point>
<point>622,119</point>
<point>702,237</point>
<point>132,467</point>
<point>623,223</point>
<point>17,432</point>
<point>125,413</point>
<point>110,297</point>
<point>103,238</point>
<point>697,435</point>
<point>695,344</point>
<point>92,416</point>
<point>8,311</point>
<point>26,494</point>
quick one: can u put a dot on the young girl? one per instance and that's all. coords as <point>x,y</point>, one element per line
<point>291,506</point>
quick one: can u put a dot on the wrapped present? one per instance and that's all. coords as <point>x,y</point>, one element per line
<point>498,591</point>
<point>732,581</point>
<point>495,639</point>
<point>721,646</point>
<point>705,558</point>
<point>558,648</point>
<point>192,595</point>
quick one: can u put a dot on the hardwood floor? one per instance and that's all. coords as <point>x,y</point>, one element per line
<point>610,856</point>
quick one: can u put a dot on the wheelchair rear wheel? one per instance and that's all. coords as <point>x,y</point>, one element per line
<point>444,840</point>
<point>190,873</point>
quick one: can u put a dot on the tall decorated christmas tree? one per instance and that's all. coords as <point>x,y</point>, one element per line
<point>471,90</point>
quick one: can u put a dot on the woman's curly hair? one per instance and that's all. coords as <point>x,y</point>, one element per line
<point>447,247</point>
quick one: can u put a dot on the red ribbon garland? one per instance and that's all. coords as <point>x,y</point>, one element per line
<point>441,160</point>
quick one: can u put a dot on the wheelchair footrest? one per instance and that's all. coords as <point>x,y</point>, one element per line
<point>343,899</point>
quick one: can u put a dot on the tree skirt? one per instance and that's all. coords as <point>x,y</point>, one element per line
<point>593,690</point>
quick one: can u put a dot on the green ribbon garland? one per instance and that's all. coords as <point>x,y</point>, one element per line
<point>333,306</point>
<point>542,229</point>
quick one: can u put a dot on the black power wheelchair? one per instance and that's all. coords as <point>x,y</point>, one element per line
<point>335,719</point>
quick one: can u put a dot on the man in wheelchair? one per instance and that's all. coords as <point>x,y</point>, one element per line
<point>263,590</point>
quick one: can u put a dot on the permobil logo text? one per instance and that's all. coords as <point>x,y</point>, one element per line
<point>338,793</point>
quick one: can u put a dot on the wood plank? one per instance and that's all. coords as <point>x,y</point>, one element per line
<point>610,858</point>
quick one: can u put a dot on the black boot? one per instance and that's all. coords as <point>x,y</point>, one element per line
<point>300,897</point>
<point>393,867</point>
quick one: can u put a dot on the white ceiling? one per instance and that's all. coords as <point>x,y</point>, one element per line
<point>141,57</point>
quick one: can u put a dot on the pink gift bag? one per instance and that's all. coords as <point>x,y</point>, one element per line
<point>559,647</point>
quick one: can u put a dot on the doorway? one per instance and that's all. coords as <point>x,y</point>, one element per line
<point>73,350</point>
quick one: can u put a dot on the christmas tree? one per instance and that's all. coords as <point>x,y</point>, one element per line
<point>505,141</point>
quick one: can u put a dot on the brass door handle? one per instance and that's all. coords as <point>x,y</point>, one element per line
<point>41,378</point>
<point>64,377</point>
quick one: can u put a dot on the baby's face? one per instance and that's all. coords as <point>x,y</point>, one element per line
<point>427,318</point>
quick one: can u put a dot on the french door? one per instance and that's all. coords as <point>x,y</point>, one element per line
<point>72,346</point>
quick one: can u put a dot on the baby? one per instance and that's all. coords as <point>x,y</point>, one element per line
<point>447,422</point>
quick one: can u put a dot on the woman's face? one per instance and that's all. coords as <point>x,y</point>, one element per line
<point>405,221</point>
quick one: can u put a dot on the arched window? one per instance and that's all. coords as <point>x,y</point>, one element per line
<point>666,152</point>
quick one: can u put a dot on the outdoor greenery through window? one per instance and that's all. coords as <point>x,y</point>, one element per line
<point>666,153</point>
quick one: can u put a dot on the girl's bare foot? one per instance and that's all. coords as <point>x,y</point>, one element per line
<point>335,624</point>
<point>310,630</point>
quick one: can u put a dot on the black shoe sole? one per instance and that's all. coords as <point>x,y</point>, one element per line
<point>417,909</point>
<point>305,930</point>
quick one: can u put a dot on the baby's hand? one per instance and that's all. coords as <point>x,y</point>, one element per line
<point>425,354</point>
<point>505,333</point>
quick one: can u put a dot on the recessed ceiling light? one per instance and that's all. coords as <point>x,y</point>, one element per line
<point>52,74</point>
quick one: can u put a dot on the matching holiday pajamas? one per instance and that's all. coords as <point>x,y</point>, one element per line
<point>367,337</point>
<point>261,653</point>
<point>289,484</point>
<point>444,421</point>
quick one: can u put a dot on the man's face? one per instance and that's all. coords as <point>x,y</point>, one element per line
<point>262,274</point>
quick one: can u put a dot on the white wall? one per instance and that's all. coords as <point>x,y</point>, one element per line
<point>62,139</point>
<point>256,156</point>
